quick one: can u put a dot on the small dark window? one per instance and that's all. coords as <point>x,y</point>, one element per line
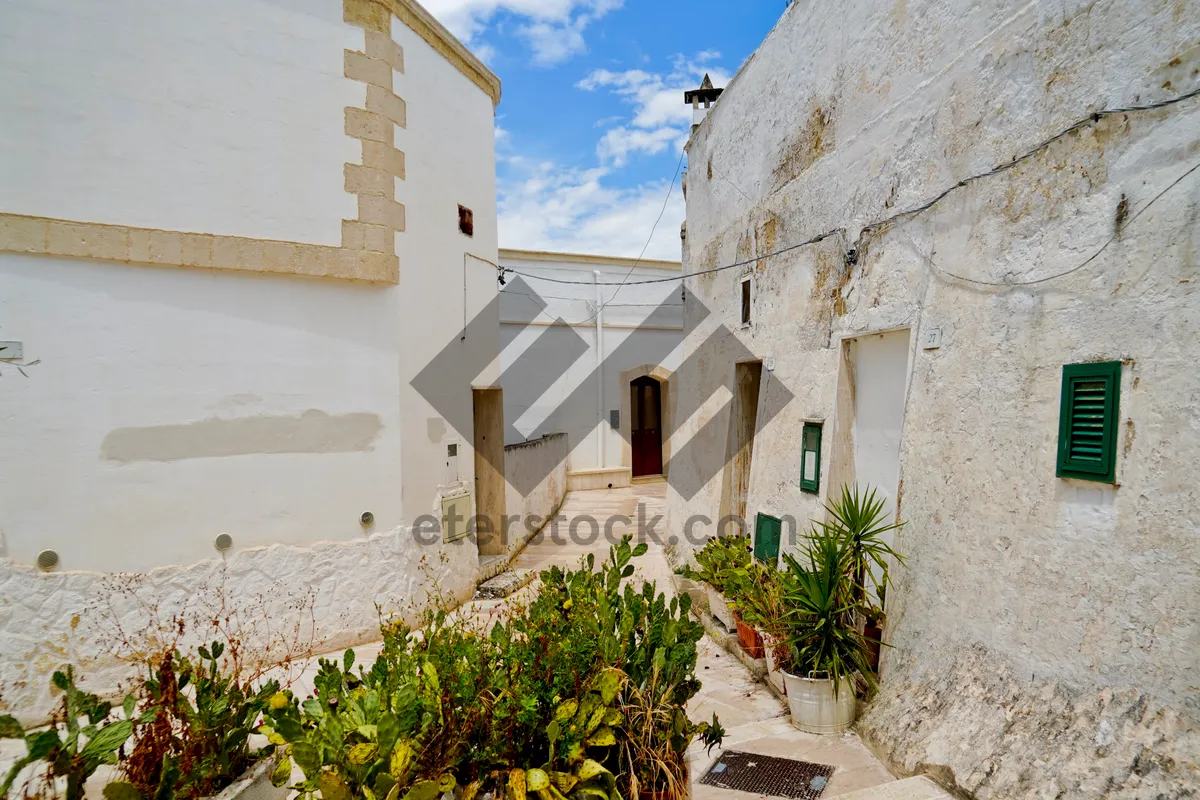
<point>1087,425</point>
<point>746,301</point>
<point>466,221</point>
<point>810,458</point>
<point>451,450</point>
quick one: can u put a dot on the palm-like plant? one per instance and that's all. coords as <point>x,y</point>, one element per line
<point>821,599</point>
<point>859,519</point>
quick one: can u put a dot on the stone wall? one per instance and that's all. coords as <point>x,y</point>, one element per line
<point>284,600</point>
<point>1036,615</point>
<point>524,464</point>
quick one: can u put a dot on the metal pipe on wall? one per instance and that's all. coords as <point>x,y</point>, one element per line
<point>600,432</point>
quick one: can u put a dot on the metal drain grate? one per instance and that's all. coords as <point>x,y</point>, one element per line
<point>781,777</point>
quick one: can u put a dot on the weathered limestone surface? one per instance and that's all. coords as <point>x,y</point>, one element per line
<point>283,599</point>
<point>973,723</point>
<point>1086,596</point>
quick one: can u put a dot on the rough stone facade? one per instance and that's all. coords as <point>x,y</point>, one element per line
<point>284,600</point>
<point>1044,629</point>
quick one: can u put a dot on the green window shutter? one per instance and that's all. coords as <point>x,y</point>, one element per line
<point>1088,419</point>
<point>767,532</point>
<point>810,458</point>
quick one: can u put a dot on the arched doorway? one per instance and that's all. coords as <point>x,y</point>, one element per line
<point>646,426</point>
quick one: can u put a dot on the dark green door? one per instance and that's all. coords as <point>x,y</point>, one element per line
<point>767,532</point>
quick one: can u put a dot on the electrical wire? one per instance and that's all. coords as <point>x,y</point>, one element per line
<point>1091,119</point>
<point>646,246</point>
<point>1084,263</point>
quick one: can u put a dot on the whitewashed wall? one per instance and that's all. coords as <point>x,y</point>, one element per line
<point>222,117</point>
<point>1044,630</point>
<point>450,143</point>
<point>543,463</point>
<point>170,405</point>
<point>627,308</point>
<point>173,405</point>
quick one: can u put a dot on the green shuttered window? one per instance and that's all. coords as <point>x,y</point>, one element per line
<point>810,458</point>
<point>767,532</point>
<point>1087,428</point>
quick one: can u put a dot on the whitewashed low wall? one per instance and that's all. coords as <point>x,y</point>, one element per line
<point>283,599</point>
<point>546,456</point>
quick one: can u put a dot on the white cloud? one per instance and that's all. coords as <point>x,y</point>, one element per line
<point>553,28</point>
<point>617,144</point>
<point>544,206</point>
<point>659,113</point>
<point>549,208</point>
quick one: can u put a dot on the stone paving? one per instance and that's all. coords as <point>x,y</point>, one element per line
<point>754,719</point>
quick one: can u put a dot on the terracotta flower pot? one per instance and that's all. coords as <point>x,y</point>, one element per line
<point>771,645</point>
<point>874,636</point>
<point>749,638</point>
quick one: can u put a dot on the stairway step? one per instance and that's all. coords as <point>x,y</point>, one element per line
<point>504,584</point>
<point>908,789</point>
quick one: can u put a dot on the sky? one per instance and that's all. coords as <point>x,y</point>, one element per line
<point>591,124</point>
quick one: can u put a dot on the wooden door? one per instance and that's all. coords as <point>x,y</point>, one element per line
<point>645,426</point>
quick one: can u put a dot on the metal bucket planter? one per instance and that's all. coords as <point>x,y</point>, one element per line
<point>814,707</point>
<point>774,673</point>
<point>719,608</point>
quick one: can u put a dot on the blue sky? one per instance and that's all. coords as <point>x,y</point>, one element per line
<point>592,120</point>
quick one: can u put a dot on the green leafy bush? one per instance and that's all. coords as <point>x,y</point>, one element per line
<point>80,739</point>
<point>723,562</point>
<point>541,703</point>
<point>581,694</point>
<point>194,739</point>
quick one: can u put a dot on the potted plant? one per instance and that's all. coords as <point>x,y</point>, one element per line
<point>759,604</point>
<point>658,733</point>
<point>723,562</point>
<point>826,647</point>
<point>873,633</point>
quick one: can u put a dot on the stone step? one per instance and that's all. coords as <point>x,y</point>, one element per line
<point>504,584</point>
<point>908,789</point>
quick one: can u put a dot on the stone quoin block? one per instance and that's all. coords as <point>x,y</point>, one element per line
<point>381,46</point>
<point>382,156</point>
<point>365,180</point>
<point>383,101</point>
<point>381,211</point>
<point>363,124</point>
<point>363,236</point>
<point>372,71</point>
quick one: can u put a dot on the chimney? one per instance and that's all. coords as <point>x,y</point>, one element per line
<point>701,100</point>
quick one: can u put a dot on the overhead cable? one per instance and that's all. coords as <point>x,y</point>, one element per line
<point>1091,119</point>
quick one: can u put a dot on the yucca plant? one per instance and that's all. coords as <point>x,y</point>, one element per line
<point>819,594</point>
<point>858,517</point>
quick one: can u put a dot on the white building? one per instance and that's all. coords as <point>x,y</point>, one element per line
<point>1009,355</point>
<point>589,349</point>
<point>231,234</point>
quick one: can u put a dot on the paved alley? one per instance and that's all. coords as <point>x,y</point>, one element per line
<point>754,719</point>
